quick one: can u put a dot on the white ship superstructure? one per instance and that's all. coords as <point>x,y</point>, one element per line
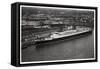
<point>67,33</point>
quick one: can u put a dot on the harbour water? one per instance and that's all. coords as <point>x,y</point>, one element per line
<point>79,48</point>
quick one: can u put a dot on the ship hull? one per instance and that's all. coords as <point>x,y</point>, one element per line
<point>64,38</point>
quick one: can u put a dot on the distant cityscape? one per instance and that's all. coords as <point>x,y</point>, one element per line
<point>74,18</point>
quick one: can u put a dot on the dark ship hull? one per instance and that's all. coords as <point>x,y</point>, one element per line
<point>65,38</point>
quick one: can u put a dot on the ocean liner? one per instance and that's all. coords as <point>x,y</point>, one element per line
<point>54,36</point>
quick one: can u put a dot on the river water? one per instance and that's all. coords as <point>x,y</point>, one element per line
<point>78,48</point>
